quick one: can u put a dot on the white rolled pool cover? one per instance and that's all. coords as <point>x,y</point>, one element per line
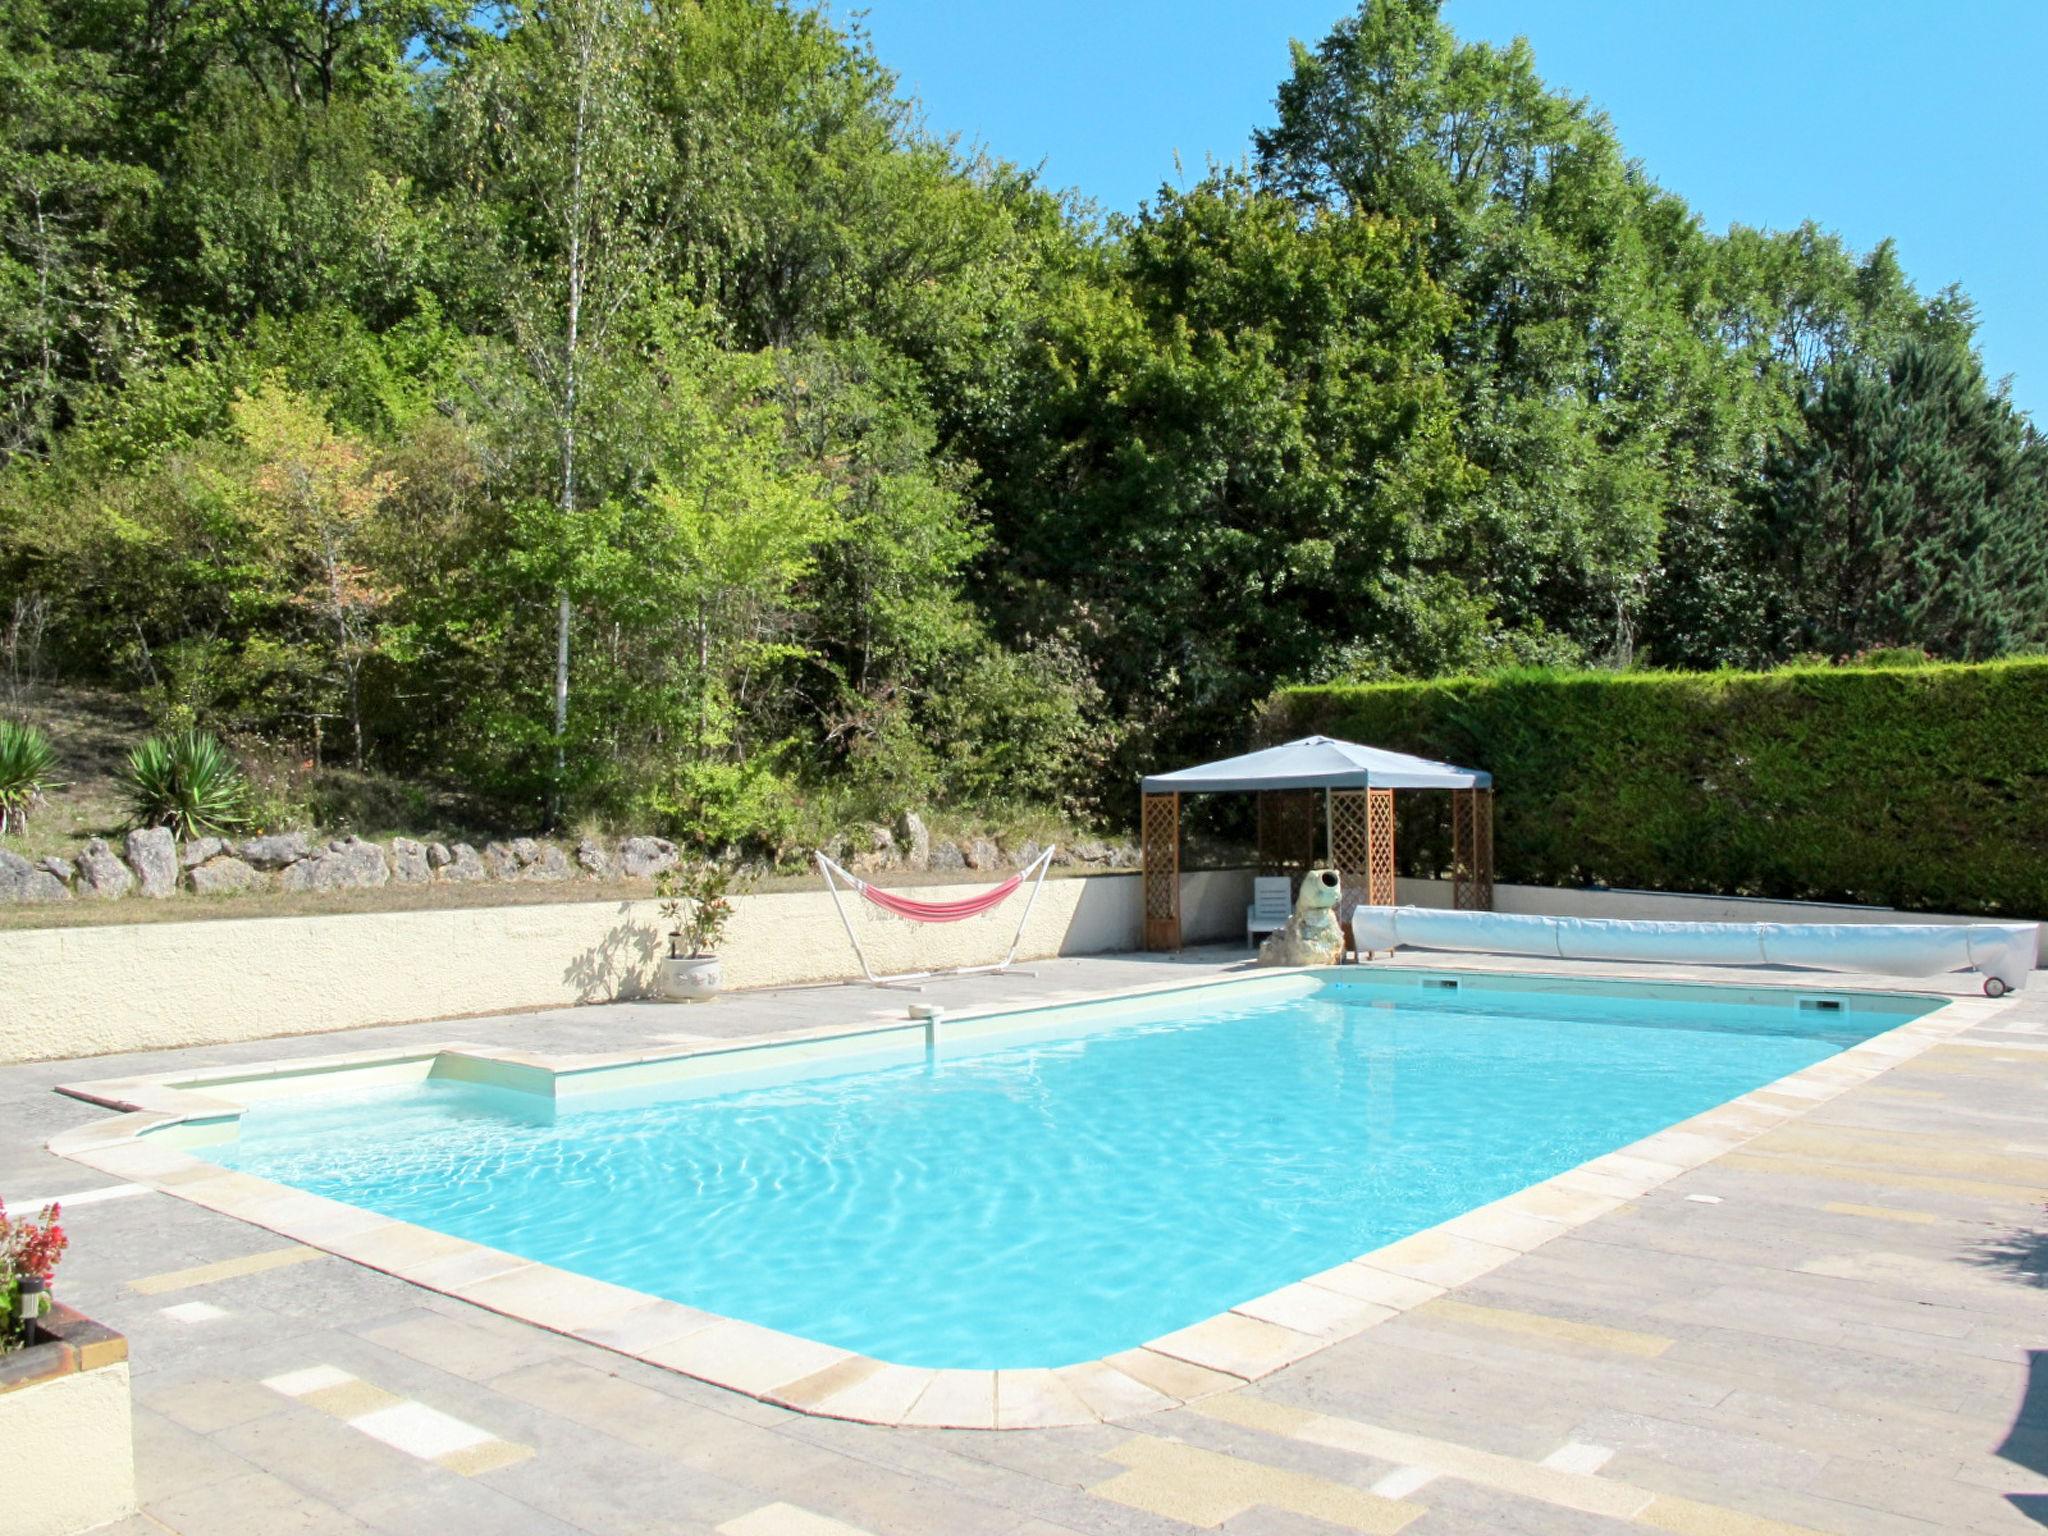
<point>2004,952</point>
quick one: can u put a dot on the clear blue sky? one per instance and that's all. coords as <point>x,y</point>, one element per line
<point>1918,119</point>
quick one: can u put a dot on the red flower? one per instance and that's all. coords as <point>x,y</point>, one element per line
<point>33,1246</point>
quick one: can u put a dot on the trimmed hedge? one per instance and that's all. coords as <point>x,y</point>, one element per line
<point>1919,787</point>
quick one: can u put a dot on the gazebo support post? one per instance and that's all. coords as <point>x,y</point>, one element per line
<point>1361,833</point>
<point>1159,884</point>
<point>1472,850</point>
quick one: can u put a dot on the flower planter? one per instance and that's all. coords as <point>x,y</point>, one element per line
<point>690,978</point>
<point>64,1420</point>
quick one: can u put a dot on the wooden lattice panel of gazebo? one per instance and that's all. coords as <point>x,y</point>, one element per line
<point>1379,867</point>
<point>1159,840</point>
<point>1472,850</point>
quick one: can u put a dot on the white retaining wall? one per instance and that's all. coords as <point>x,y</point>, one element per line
<point>92,990</point>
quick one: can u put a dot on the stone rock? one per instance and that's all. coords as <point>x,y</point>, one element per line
<point>59,866</point>
<point>501,861</point>
<point>21,881</point>
<point>362,863</point>
<point>101,872</point>
<point>541,861</point>
<point>947,856</point>
<point>880,853</point>
<point>409,862</point>
<point>345,863</point>
<point>642,857</point>
<point>914,840</point>
<point>981,853</point>
<point>438,854</point>
<point>1021,857</point>
<point>225,876</point>
<point>1091,851</point>
<point>199,850</point>
<point>463,863</point>
<point>153,855</point>
<point>592,857</point>
<point>1125,856</point>
<point>274,851</point>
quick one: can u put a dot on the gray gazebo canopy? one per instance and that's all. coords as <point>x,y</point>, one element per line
<point>1316,762</point>
<point>1356,785</point>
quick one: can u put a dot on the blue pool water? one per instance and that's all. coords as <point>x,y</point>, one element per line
<point>1090,1179</point>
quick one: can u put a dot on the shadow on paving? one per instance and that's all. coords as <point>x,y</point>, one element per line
<point>2022,1252</point>
<point>2026,1443</point>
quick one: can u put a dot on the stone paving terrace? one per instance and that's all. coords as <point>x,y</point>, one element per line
<point>1839,1327</point>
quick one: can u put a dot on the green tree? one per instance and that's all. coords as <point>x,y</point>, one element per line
<point>69,316</point>
<point>556,136</point>
<point>316,496</point>
<point>1239,460</point>
<point>1560,258</point>
<point>1779,311</point>
<point>1912,513</point>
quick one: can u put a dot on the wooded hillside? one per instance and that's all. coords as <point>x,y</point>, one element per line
<point>630,411</point>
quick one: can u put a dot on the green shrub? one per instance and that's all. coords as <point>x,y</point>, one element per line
<point>1923,786</point>
<point>187,782</point>
<point>26,762</point>
<point>717,806</point>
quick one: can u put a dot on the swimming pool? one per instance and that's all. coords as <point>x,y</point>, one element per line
<point>1056,1185</point>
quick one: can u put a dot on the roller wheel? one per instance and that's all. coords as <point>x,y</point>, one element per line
<point>1993,987</point>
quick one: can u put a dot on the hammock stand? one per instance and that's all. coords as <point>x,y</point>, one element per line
<point>934,912</point>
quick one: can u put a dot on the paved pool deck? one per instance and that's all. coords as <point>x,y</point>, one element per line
<point>1839,1326</point>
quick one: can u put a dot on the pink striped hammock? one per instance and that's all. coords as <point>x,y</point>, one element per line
<point>939,911</point>
<point>934,912</point>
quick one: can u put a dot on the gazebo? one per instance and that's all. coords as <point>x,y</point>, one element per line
<point>1357,787</point>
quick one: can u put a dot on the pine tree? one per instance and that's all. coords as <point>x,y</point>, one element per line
<point>1913,514</point>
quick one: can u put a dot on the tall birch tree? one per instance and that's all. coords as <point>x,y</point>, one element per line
<point>559,141</point>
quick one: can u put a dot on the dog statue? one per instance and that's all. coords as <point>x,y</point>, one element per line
<point>1311,936</point>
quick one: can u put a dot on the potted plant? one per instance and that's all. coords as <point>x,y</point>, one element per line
<point>29,1250</point>
<point>696,898</point>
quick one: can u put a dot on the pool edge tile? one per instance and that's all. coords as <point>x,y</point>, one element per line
<point>1113,1395</point>
<point>745,1356</point>
<point>1237,1345</point>
<point>955,1400</point>
<point>1323,1313</point>
<point>1036,1398</point>
<point>881,1398</point>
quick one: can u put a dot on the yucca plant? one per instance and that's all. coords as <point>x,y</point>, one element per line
<point>25,765</point>
<point>187,782</point>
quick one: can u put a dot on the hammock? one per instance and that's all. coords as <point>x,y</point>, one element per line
<point>934,912</point>
<point>939,911</point>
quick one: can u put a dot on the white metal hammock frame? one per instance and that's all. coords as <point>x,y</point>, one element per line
<point>1034,873</point>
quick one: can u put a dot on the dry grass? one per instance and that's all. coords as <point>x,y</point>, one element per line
<point>92,733</point>
<point>186,907</point>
